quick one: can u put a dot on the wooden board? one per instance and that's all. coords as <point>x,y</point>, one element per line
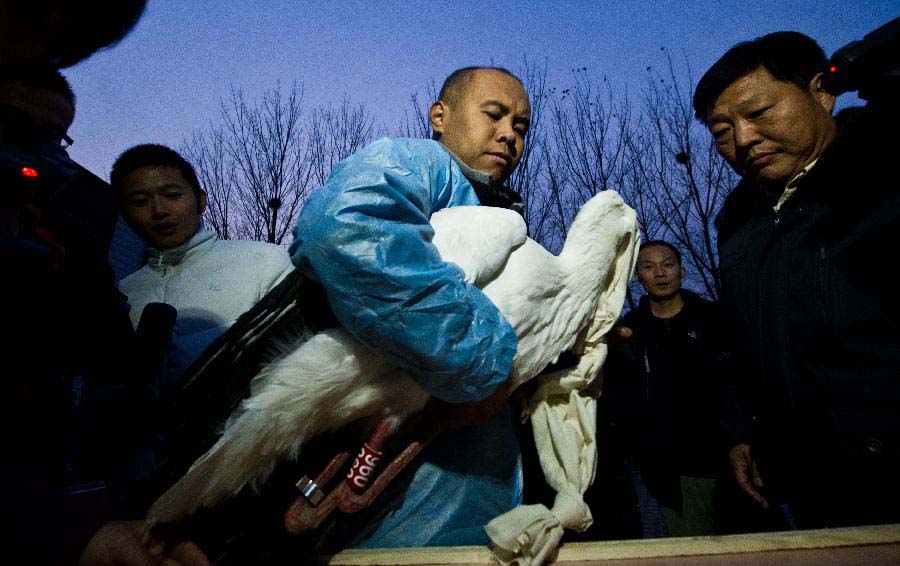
<point>858,545</point>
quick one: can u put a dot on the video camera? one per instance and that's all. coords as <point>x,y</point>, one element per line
<point>76,202</point>
<point>870,65</point>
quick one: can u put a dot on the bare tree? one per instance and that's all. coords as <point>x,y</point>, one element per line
<point>266,145</point>
<point>217,177</point>
<point>336,133</point>
<point>589,129</point>
<point>529,179</point>
<point>659,159</point>
<point>416,122</point>
<point>677,166</point>
<point>263,159</point>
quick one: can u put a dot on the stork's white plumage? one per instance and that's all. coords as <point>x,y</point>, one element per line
<point>331,379</point>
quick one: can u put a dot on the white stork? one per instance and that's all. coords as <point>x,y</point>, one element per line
<point>331,379</point>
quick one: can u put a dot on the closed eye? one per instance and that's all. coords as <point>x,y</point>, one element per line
<point>759,112</point>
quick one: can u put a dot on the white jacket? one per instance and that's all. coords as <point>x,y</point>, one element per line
<point>210,282</point>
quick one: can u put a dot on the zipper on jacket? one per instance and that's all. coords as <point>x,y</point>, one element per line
<point>647,375</point>
<point>822,283</point>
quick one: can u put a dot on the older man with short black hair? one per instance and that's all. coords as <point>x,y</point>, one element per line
<point>800,241</point>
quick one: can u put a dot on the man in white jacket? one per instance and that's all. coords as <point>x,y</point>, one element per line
<point>210,282</point>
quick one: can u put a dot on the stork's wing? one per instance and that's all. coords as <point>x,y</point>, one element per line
<point>478,239</point>
<point>216,383</point>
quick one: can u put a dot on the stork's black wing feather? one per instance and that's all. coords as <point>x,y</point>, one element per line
<point>248,528</point>
<point>216,383</point>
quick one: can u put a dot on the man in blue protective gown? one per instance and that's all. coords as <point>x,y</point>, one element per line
<point>365,237</point>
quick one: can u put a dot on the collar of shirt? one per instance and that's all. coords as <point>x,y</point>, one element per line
<point>471,174</point>
<point>488,192</point>
<point>198,244</point>
<point>791,187</point>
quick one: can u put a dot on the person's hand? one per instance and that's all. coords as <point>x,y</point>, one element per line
<point>128,543</point>
<point>746,474</point>
<point>618,334</point>
<point>478,412</point>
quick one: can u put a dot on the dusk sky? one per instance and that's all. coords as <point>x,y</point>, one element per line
<point>166,79</point>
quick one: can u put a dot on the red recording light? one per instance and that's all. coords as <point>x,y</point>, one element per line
<point>28,172</point>
<point>832,69</point>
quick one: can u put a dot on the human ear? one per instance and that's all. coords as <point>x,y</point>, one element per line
<point>822,96</point>
<point>436,115</point>
<point>201,202</point>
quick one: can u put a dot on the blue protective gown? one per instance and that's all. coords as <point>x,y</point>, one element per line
<point>365,237</point>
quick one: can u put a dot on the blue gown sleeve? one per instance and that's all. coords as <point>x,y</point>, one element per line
<point>365,236</point>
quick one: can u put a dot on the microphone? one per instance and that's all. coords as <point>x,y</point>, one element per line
<point>154,331</point>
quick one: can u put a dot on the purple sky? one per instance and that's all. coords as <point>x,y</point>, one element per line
<point>166,78</point>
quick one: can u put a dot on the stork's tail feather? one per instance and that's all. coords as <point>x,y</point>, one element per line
<point>246,453</point>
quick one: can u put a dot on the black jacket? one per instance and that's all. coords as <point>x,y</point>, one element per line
<point>664,388</point>
<point>74,402</point>
<point>813,292</point>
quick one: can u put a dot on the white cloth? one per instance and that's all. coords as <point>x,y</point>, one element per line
<point>563,417</point>
<point>210,282</point>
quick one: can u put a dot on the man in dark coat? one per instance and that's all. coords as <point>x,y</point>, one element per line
<point>68,342</point>
<point>664,387</point>
<point>802,240</point>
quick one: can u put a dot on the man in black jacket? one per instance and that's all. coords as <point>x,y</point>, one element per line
<point>802,242</point>
<point>67,334</point>
<point>664,388</point>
